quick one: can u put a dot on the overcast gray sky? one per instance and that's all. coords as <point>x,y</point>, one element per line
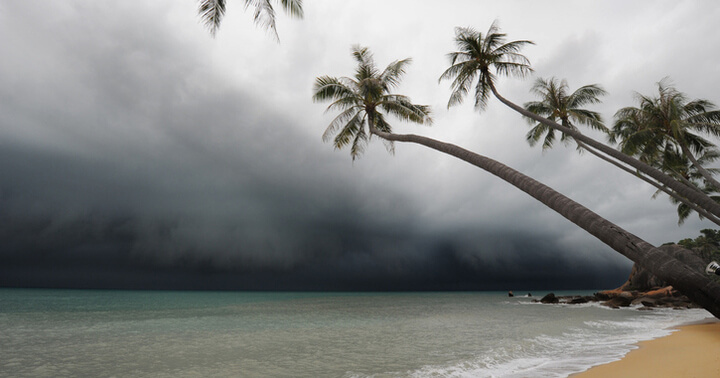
<point>137,151</point>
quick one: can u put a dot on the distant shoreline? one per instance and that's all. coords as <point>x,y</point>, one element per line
<point>691,351</point>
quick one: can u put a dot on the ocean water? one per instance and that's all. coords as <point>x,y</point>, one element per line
<point>71,333</point>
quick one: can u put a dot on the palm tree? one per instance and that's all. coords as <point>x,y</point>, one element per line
<point>360,96</point>
<point>558,105</point>
<point>365,99</point>
<point>212,12</point>
<point>669,122</point>
<point>479,54</point>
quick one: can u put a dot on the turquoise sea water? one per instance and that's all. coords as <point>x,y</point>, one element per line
<point>56,333</point>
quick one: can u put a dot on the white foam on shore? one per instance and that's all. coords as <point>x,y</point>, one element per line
<point>576,350</point>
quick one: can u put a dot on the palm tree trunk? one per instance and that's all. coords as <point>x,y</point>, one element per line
<point>704,172</point>
<point>696,285</point>
<point>639,175</point>
<point>690,193</point>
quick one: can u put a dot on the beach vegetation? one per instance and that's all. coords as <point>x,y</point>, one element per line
<point>707,244</point>
<point>558,105</point>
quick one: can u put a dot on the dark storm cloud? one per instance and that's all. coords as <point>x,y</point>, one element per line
<point>71,222</point>
<point>127,161</point>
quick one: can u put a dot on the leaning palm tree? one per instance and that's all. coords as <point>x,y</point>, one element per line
<point>669,121</point>
<point>212,12</point>
<point>479,55</point>
<point>557,105</point>
<point>365,99</point>
<point>358,99</point>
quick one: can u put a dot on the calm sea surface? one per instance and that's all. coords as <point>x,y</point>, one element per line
<point>56,333</point>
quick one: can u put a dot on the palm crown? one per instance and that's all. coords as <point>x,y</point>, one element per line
<point>476,54</point>
<point>666,126</point>
<point>669,119</point>
<point>559,106</point>
<point>212,12</point>
<point>365,99</point>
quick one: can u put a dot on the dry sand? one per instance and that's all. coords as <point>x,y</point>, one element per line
<point>693,351</point>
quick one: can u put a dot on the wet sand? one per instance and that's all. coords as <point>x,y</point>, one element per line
<point>692,351</point>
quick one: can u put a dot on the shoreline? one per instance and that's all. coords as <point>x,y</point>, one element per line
<point>691,350</point>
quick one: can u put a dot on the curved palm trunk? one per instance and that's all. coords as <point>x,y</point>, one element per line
<point>697,286</point>
<point>704,172</point>
<point>690,193</point>
<point>665,190</point>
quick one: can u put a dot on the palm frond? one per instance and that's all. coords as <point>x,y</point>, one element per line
<point>512,49</point>
<point>343,104</point>
<point>264,15</point>
<point>536,133</point>
<point>332,88</point>
<point>351,115</point>
<point>465,74</point>
<point>586,95</point>
<point>211,13</point>
<point>363,56</point>
<point>348,131</point>
<point>391,76</point>
<point>293,7</point>
<point>382,125</point>
<point>589,118</point>
<point>359,143</point>
<point>518,69</point>
<point>402,108</point>
<point>483,91</point>
<point>540,108</point>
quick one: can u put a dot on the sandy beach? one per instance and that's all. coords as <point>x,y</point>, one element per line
<point>692,351</point>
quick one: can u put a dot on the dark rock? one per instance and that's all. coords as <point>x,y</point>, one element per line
<point>603,296</point>
<point>644,301</point>
<point>648,302</point>
<point>550,298</point>
<point>641,279</point>
<point>629,294</point>
<point>642,287</point>
<point>618,302</point>
<point>578,300</point>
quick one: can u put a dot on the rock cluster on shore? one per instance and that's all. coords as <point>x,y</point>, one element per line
<point>642,289</point>
<point>647,300</point>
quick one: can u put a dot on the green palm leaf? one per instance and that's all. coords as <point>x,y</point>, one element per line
<point>212,12</point>
<point>668,122</point>
<point>559,106</point>
<point>364,101</point>
<point>475,56</point>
